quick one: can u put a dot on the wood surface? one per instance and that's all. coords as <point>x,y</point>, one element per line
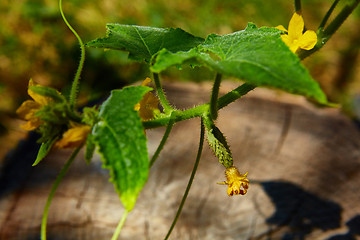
<point>303,165</point>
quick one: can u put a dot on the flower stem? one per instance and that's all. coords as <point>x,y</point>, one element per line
<point>53,190</point>
<point>200,110</point>
<point>325,35</point>
<point>163,140</point>
<point>339,20</point>
<point>75,84</point>
<point>328,14</point>
<point>120,225</point>
<point>214,97</point>
<point>297,5</point>
<point>161,94</point>
<point>196,164</point>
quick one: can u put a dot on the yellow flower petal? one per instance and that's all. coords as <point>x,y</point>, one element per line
<point>74,137</point>
<point>296,26</point>
<point>147,106</point>
<point>308,40</point>
<point>281,27</point>
<point>32,124</point>
<point>237,183</point>
<point>28,109</point>
<point>37,98</point>
<point>295,38</point>
<point>146,82</point>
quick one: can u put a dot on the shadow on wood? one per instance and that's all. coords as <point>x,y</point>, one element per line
<point>303,165</point>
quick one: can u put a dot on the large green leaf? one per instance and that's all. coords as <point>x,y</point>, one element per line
<point>121,140</point>
<point>255,55</point>
<point>143,43</point>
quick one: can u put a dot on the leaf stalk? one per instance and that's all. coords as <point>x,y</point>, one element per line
<point>214,97</point>
<point>161,94</point>
<point>120,225</point>
<point>200,110</point>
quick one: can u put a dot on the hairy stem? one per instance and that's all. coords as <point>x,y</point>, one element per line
<point>120,225</point>
<point>200,110</point>
<point>53,190</point>
<point>76,81</point>
<point>161,94</point>
<point>196,164</point>
<point>214,97</point>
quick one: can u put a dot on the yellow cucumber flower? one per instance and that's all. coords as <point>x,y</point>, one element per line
<point>237,183</point>
<point>29,108</point>
<point>295,38</point>
<point>74,136</point>
<point>148,104</point>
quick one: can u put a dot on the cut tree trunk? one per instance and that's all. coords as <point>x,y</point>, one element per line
<point>303,164</point>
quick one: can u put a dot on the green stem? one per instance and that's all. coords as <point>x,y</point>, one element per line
<point>328,14</point>
<point>53,190</point>
<point>163,140</point>
<point>75,84</point>
<point>120,225</point>
<point>214,97</point>
<point>196,164</point>
<point>161,94</point>
<point>297,5</point>
<point>200,110</point>
<point>325,35</point>
<point>339,20</point>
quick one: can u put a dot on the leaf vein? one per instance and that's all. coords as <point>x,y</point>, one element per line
<point>143,41</point>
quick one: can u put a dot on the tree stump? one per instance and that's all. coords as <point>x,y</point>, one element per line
<point>303,165</point>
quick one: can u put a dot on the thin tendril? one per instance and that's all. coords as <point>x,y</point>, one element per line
<point>75,84</point>
<point>196,164</point>
<point>163,140</point>
<point>53,190</point>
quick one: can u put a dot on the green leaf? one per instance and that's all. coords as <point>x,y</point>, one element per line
<point>255,55</point>
<point>143,43</point>
<point>121,140</point>
<point>44,150</point>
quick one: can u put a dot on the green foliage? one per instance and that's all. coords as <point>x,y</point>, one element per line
<point>44,150</point>
<point>143,43</point>
<point>255,55</point>
<point>122,143</point>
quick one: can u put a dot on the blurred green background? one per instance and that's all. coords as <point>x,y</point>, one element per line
<point>35,43</point>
